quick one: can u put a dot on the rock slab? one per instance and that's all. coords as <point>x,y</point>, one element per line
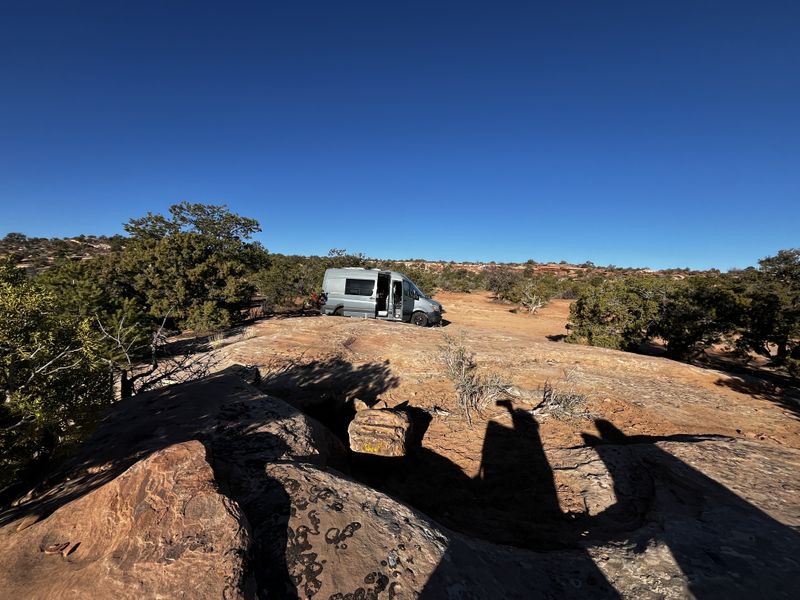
<point>379,432</point>
<point>151,531</point>
<point>155,504</point>
<point>337,539</point>
<point>213,490</point>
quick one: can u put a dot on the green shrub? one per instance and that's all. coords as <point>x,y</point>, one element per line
<point>450,279</point>
<point>698,313</point>
<point>770,321</point>
<point>619,313</point>
<point>194,266</point>
<point>501,281</point>
<point>51,378</point>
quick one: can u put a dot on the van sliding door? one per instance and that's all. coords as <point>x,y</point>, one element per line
<point>359,297</point>
<point>382,296</point>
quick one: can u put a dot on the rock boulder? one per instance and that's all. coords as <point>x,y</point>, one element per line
<point>380,432</point>
<point>160,529</point>
<point>334,538</point>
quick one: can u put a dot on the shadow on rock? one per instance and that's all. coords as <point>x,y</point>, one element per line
<point>241,430</point>
<point>780,390</point>
<point>325,389</point>
<point>719,545</point>
<point>556,337</point>
<point>514,501</point>
<point>724,546</point>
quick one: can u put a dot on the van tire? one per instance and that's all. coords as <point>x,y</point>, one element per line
<point>339,312</point>
<point>420,319</point>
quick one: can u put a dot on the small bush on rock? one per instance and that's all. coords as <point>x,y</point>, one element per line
<point>475,390</point>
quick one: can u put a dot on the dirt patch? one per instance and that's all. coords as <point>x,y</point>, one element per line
<point>480,310</point>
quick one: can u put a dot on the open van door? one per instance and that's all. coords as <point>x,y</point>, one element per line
<point>383,296</point>
<point>396,300</point>
<point>408,301</point>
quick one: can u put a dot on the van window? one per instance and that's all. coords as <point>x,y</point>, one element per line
<point>359,287</point>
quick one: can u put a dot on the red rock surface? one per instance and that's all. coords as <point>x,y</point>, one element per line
<point>215,490</point>
<point>160,529</point>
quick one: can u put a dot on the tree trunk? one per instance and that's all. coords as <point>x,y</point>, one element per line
<point>125,385</point>
<point>783,351</point>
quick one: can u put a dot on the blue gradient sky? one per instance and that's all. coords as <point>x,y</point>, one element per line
<point>634,133</point>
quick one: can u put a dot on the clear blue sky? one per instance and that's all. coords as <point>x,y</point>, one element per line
<point>634,133</point>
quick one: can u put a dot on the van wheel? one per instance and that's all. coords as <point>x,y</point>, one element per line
<point>339,312</point>
<point>420,319</point>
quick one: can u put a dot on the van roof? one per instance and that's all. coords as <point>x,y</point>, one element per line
<point>395,274</point>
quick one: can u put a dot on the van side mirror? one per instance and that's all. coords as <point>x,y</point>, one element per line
<point>416,296</point>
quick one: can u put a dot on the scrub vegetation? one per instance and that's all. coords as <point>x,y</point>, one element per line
<point>755,311</point>
<point>476,388</point>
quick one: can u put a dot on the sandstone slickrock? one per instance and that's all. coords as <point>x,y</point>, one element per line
<point>160,529</point>
<point>379,432</point>
<point>359,405</point>
<point>213,490</point>
<point>140,440</point>
<point>344,540</point>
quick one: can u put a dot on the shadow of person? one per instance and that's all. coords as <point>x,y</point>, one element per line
<point>517,504</point>
<point>515,483</point>
<point>725,546</point>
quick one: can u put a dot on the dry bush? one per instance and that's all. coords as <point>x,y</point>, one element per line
<point>141,365</point>
<point>563,402</point>
<point>221,338</point>
<point>475,390</point>
<point>531,299</point>
<point>216,340</point>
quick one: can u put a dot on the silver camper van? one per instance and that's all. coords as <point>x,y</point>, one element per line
<point>376,294</point>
